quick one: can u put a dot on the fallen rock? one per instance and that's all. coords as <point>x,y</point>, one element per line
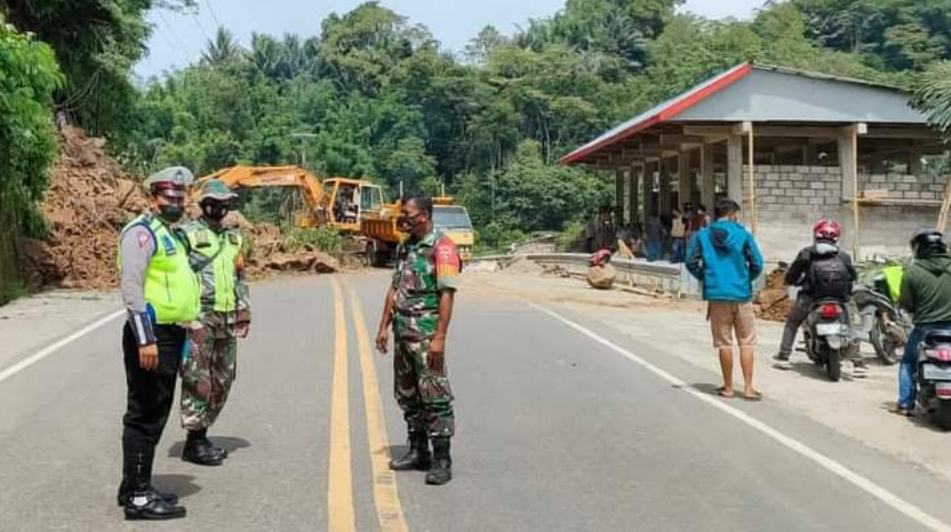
<point>484,266</point>
<point>601,277</point>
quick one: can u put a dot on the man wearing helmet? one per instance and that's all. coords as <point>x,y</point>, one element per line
<point>161,295</point>
<point>805,272</point>
<point>216,255</point>
<point>926,294</point>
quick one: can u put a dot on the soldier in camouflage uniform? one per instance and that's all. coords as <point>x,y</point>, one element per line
<point>215,252</point>
<point>419,307</point>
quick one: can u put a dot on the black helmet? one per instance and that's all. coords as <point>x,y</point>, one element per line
<point>925,240</point>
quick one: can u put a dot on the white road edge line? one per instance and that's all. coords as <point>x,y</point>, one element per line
<point>49,350</point>
<point>894,501</point>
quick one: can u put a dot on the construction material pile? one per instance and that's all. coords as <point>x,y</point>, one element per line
<point>91,198</point>
<point>773,303</point>
<point>271,252</point>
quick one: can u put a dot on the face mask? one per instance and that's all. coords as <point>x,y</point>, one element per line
<point>171,213</point>
<point>215,211</point>
<point>407,224</point>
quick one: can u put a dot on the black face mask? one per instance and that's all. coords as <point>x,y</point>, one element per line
<point>171,213</point>
<point>215,211</point>
<point>407,224</point>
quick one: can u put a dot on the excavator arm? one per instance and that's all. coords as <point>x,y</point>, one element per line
<point>238,177</point>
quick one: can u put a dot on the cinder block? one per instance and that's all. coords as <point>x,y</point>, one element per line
<point>909,179</point>
<point>809,193</point>
<point>902,187</point>
<point>936,188</point>
<point>928,195</point>
<point>878,178</point>
<point>801,200</point>
<point>817,185</point>
<point>911,194</point>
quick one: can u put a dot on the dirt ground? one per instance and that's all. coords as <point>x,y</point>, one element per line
<point>853,407</point>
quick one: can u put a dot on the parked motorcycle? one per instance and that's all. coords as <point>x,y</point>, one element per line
<point>883,322</point>
<point>828,336</point>
<point>934,375</point>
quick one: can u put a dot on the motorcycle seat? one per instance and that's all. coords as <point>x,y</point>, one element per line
<point>937,336</point>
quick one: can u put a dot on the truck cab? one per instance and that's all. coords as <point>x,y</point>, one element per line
<point>454,222</point>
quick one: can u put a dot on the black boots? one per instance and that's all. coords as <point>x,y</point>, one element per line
<point>139,497</point>
<point>199,450</point>
<point>417,458</point>
<point>441,471</point>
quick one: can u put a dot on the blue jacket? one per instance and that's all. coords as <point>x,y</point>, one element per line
<point>726,259</point>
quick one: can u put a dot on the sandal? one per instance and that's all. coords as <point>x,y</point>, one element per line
<point>899,410</point>
<point>756,397</point>
<point>721,391</point>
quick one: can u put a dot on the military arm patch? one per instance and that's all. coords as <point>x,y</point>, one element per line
<point>447,263</point>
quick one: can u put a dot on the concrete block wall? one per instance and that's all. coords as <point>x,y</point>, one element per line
<point>922,187</point>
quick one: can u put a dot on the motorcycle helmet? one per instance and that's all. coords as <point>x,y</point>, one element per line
<point>828,231</point>
<point>927,240</point>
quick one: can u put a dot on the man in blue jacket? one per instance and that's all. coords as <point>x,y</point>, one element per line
<point>725,259</point>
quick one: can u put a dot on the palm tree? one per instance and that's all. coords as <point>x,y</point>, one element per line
<point>223,49</point>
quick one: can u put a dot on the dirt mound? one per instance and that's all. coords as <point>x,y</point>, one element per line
<point>773,302</point>
<point>89,200</point>
<point>271,252</point>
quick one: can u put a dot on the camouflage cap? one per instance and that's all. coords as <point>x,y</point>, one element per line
<point>216,189</point>
<point>173,181</point>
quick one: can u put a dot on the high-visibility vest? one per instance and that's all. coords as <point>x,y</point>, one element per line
<point>171,288</point>
<point>214,257</point>
<point>893,278</point>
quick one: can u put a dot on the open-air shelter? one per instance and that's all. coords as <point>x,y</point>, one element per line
<point>791,146</point>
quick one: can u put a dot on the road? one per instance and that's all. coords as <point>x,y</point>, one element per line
<point>564,425</point>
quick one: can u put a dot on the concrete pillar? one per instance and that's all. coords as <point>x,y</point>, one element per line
<point>685,178</point>
<point>734,168</point>
<point>619,194</point>
<point>708,183</point>
<point>632,186</point>
<point>648,182</point>
<point>914,162</point>
<point>848,162</point>
<point>665,189</point>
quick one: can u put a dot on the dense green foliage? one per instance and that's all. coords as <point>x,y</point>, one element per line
<point>371,94</point>
<point>28,77</point>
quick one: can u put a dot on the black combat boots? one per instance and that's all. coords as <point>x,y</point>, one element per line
<point>441,471</point>
<point>141,501</point>
<point>418,457</point>
<point>199,450</point>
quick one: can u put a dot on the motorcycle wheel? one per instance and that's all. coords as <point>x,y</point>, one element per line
<point>888,348</point>
<point>944,414</point>
<point>834,365</point>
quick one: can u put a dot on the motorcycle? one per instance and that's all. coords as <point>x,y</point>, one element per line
<point>934,375</point>
<point>885,324</point>
<point>828,336</point>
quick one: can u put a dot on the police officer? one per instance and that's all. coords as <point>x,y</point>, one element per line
<point>215,253</point>
<point>419,306</point>
<point>161,294</point>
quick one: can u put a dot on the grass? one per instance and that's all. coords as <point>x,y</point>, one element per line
<point>12,291</point>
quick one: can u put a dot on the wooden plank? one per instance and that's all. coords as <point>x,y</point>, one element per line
<point>734,167</point>
<point>707,176</point>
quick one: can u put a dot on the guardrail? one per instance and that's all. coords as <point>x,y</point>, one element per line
<point>665,277</point>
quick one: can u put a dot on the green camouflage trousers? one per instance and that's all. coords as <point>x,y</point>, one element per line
<point>424,395</point>
<point>209,370</point>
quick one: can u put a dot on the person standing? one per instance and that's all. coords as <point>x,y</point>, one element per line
<point>926,294</point>
<point>161,295</point>
<point>654,238</point>
<point>419,305</point>
<point>726,259</point>
<point>216,255</point>
<point>678,233</point>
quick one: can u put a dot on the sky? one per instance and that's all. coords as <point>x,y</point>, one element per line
<point>178,39</point>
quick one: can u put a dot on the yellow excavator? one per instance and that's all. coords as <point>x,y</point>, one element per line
<point>351,206</point>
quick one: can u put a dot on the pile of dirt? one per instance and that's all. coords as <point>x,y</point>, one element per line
<point>524,266</point>
<point>91,198</point>
<point>89,201</point>
<point>773,303</point>
<point>271,252</point>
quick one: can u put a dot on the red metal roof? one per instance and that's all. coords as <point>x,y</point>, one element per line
<point>662,113</point>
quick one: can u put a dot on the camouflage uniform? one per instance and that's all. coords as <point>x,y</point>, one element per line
<point>424,268</point>
<point>210,366</point>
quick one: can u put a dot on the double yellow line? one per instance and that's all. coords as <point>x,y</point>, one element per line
<point>340,478</point>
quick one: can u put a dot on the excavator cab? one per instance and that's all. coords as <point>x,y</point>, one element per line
<point>345,202</point>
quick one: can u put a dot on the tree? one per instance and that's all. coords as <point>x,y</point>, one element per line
<point>222,50</point>
<point>27,139</point>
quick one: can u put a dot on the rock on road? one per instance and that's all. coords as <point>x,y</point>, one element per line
<point>564,425</point>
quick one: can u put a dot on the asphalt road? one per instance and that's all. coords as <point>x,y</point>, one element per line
<point>564,425</point>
